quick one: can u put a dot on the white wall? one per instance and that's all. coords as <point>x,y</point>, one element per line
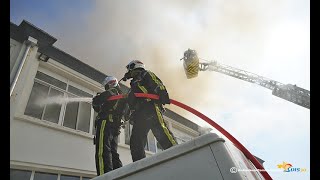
<point>15,49</point>
<point>31,142</point>
<point>44,143</point>
<point>24,83</point>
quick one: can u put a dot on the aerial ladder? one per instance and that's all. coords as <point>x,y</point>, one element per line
<point>288,92</point>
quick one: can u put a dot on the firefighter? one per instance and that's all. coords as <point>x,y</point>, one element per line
<point>146,113</point>
<point>108,123</point>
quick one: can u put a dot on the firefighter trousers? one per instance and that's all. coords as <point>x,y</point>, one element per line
<point>144,119</point>
<point>106,145</point>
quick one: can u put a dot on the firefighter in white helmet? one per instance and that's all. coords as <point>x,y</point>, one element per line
<point>146,113</point>
<point>108,123</point>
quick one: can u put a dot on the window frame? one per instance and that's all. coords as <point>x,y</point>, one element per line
<point>26,171</point>
<point>92,118</point>
<point>147,147</point>
<point>59,174</point>
<point>44,109</point>
<point>178,130</point>
<point>65,94</point>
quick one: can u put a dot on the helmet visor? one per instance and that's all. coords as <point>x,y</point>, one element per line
<point>130,66</point>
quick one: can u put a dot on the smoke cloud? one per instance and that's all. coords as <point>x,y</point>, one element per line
<point>158,32</point>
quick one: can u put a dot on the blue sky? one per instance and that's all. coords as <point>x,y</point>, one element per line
<point>268,38</point>
<point>42,11</point>
<point>47,13</point>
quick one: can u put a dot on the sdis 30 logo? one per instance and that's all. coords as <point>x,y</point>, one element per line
<point>289,168</point>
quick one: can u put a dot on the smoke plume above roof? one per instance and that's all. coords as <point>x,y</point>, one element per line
<point>158,32</point>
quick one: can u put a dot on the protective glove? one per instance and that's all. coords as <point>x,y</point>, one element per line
<point>127,76</point>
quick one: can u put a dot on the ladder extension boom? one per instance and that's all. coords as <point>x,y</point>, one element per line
<point>288,92</point>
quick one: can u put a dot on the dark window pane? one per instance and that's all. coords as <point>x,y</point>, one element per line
<point>127,132</point>
<point>94,121</point>
<point>52,110</point>
<point>71,114</point>
<point>84,116</point>
<point>146,147</point>
<point>181,136</point>
<point>45,176</point>
<point>19,174</point>
<point>159,148</point>
<point>65,177</point>
<point>51,80</point>
<point>78,92</point>
<point>179,140</point>
<point>36,104</point>
<point>151,142</point>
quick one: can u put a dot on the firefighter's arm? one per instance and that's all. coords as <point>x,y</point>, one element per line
<point>152,83</point>
<point>155,86</point>
<point>99,99</point>
<point>95,103</point>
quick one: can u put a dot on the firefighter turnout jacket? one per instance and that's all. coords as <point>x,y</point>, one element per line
<point>147,114</point>
<point>107,124</point>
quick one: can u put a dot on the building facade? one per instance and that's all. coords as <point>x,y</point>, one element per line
<point>55,140</point>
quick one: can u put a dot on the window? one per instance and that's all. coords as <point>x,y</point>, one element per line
<point>50,80</point>
<point>19,174</point>
<point>77,114</point>
<point>16,174</point>
<point>78,92</point>
<point>49,101</point>
<point>181,136</point>
<point>94,122</point>
<point>52,111</point>
<point>86,178</point>
<point>159,148</point>
<point>84,117</point>
<point>151,144</point>
<point>65,177</point>
<point>180,141</point>
<point>127,132</point>
<point>45,176</point>
<point>70,116</point>
<point>40,104</point>
<point>35,107</point>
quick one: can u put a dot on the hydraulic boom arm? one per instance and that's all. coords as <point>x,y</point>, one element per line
<point>288,92</point>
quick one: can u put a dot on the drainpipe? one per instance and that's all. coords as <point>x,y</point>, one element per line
<point>30,43</point>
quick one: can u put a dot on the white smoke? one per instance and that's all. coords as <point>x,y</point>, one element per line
<point>158,32</point>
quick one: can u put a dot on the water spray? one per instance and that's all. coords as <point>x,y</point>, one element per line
<point>61,100</point>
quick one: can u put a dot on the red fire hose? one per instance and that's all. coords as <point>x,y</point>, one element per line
<point>255,162</point>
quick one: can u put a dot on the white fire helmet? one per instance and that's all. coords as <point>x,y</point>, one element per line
<point>110,81</point>
<point>134,64</point>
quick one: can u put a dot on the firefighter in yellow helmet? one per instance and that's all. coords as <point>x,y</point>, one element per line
<point>146,113</point>
<point>107,124</point>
